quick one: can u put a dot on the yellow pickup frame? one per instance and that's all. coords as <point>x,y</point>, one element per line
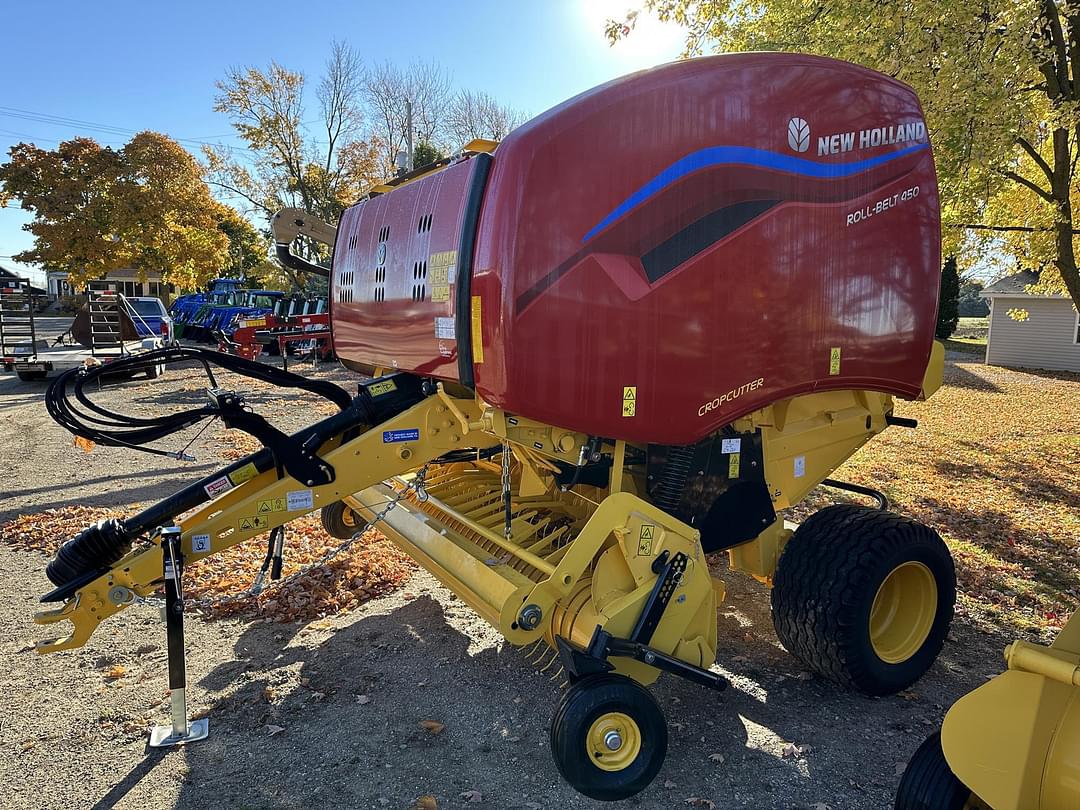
<point>228,520</point>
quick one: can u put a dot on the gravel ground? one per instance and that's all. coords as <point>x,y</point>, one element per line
<point>348,694</point>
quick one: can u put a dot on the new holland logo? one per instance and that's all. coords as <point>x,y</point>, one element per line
<point>798,134</point>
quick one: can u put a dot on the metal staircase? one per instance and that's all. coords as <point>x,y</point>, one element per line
<point>16,316</point>
<point>106,338</point>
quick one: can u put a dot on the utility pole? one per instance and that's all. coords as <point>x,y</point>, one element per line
<point>409,134</point>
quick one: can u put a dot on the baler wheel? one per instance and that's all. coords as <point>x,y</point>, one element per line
<point>864,597</point>
<point>929,784</point>
<point>340,521</point>
<point>608,737</point>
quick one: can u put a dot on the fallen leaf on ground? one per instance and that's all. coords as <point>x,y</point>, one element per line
<point>716,757</point>
<point>434,726</point>
<point>790,751</point>
<point>472,795</point>
<point>272,729</point>
<point>426,803</point>
<point>116,671</point>
<point>698,801</point>
<point>363,700</point>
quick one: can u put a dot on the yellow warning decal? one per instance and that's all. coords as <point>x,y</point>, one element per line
<point>733,466</point>
<point>440,293</point>
<point>440,275</point>
<point>477,337</point>
<point>629,400</point>
<point>245,473</point>
<point>380,388</point>
<point>444,259</point>
<point>253,522</point>
<point>834,360</point>
<point>271,505</point>
<point>645,540</point>
<point>249,322</point>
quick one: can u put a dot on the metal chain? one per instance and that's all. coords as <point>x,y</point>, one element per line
<point>507,510</point>
<point>416,485</point>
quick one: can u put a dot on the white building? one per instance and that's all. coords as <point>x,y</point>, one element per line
<point>127,281</point>
<point>1048,338</point>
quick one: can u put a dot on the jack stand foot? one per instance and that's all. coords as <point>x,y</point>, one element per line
<point>180,731</point>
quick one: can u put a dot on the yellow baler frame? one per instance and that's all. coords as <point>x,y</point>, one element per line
<point>804,439</point>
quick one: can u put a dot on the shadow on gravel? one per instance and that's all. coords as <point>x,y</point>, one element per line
<point>293,731</point>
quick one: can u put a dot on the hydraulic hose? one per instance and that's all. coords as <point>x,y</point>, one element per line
<point>84,418</point>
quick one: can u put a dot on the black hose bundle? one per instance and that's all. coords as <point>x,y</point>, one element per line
<point>91,549</point>
<point>112,429</point>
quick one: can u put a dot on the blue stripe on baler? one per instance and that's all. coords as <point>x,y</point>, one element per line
<point>744,156</point>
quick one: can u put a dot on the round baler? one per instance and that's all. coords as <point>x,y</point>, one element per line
<point>629,336</point>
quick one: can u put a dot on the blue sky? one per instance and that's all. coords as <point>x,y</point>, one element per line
<point>131,66</point>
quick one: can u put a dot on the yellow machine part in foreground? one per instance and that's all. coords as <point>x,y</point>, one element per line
<point>1015,741</point>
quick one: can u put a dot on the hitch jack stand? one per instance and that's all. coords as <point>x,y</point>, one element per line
<point>180,731</point>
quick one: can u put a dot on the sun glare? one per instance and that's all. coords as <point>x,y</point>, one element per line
<point>649,43</point>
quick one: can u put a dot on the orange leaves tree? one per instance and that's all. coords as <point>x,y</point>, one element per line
<point>145,206</point>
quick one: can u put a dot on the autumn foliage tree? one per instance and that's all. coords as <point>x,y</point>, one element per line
<point>1000,83</point>
<point>145,206</point>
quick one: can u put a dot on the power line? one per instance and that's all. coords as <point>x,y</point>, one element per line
<point>59,120</point>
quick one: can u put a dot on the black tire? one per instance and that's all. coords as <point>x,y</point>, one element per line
<point>154,371</point>
<point>31,376</point>
<point>928,783</point>
<point>825,586</point>
<point>586,703</point>
<point>340,521</point>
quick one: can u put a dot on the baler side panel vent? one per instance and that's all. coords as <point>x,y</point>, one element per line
<point>424,226</point>
<point>345,286</point>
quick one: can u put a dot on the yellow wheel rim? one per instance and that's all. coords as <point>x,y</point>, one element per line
<point>613,741</point>
<point>348,517</point>
<point>903,612</point>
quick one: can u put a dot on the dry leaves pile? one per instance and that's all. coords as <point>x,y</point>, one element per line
<point>236,444</point>
<point>216,585</point>
<point>994,467</point>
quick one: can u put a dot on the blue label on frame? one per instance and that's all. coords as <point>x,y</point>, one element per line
<point>410,435</point>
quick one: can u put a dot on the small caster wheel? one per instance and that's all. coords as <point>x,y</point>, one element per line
<point>608,737</point>
<point>929,784</point>
<point>340,521</point>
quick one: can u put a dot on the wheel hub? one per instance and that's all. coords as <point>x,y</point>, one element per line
<point>903,612</point>
<point>613,741</point>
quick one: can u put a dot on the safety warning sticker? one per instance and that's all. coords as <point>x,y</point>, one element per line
<point>218,485</point>
<point>271,505</point>
<point>440,293</point>
<point>645,540</point>
<point>299,499</point>
<point>253,522</point>
<point>629,400</point>
<point>834,360</point>
<point>245,473</point>
<point>380,388</point>
<point>730,445</point>
<point>200,542</point>
<point>733,466</point>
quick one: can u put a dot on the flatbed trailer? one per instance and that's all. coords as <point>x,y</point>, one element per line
<point>107,328</point>
<point>39,362</point>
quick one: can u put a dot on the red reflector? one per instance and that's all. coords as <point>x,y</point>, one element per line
<point>165,328</point>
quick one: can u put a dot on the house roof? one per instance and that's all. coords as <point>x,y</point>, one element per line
<point>1016,284</point>
<point>5,273</point>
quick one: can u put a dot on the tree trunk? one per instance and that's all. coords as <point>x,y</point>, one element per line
<point>1066,254</point>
